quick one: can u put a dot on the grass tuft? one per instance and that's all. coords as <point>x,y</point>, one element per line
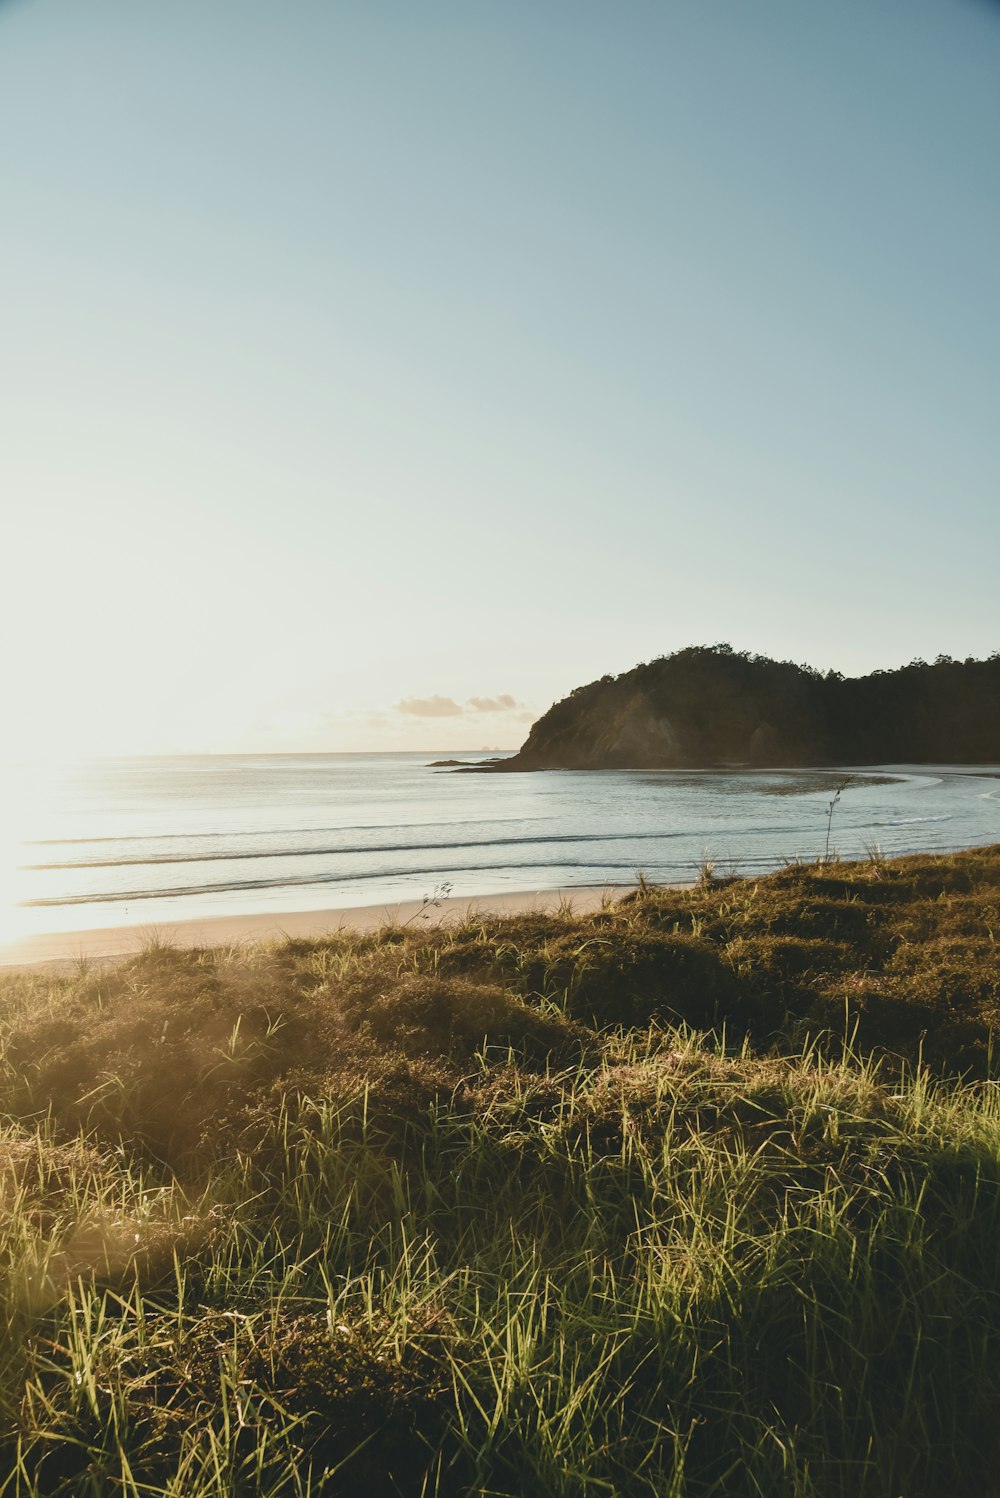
<point>697,1194</point>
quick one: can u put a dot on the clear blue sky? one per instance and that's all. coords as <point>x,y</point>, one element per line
<point>362,359</point>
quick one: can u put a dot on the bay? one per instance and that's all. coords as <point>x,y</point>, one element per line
<point>139,841</point>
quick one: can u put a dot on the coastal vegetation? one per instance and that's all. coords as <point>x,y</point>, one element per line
<point>696,1194</point>
<point>712,705</point>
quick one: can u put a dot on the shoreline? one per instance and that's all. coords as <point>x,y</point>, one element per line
<point>63,949</point>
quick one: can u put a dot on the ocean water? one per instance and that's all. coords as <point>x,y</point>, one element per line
<point>141,841</point>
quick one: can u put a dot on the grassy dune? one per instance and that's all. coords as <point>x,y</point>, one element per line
<point>698,1194</point>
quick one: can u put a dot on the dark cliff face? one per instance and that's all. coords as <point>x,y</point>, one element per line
<point>716,706</point>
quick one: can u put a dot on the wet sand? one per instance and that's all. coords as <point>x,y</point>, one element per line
<point>64,948</point>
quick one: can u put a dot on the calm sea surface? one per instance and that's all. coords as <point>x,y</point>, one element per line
<point>137,841</point>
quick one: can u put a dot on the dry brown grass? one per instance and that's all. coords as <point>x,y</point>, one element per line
<point>899,956</point>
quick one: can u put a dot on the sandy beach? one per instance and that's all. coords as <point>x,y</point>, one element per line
<point>63,948</point>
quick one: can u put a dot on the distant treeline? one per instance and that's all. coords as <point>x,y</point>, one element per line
<point>713,705</point>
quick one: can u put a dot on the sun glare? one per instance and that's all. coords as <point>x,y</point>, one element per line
<point>15,799</point>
